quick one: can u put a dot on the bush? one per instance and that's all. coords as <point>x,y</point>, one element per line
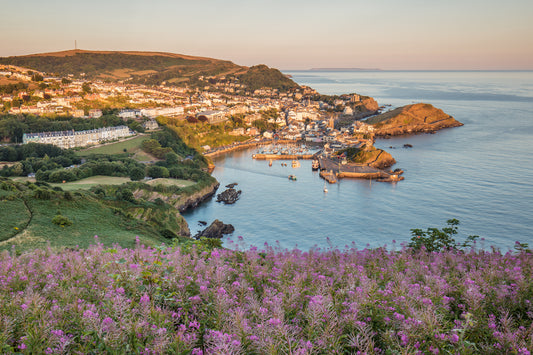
<point>136,174</point>
<point>42,194</point>
<point>434,239</point>
<point>167,233</point>
<point>61,220</point>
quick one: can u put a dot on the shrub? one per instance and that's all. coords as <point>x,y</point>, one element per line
<point>42,194</point>
<point>167,233</point>
<point>61,220</point>
<point>434,239</point>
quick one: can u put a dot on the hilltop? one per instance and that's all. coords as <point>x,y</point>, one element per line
<point>416,118</point>
<point>150,68</point>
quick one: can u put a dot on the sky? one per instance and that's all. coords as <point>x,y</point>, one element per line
<point>286,34</point>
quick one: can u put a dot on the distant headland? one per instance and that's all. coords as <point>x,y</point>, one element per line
<point>345,69</point>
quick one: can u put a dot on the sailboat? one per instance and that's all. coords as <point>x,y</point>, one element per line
<point>325,188</point>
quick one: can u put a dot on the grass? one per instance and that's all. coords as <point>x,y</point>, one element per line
<point>171,182</point>
<point>85,184</point>
<point>18,215</point>
<point>89,215</point>
<point>132,145</point>
<point>143,156</point>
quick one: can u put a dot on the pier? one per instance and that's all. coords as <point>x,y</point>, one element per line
<point>329,176</point>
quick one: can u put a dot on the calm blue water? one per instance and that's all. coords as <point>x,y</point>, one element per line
<point>480,173</point>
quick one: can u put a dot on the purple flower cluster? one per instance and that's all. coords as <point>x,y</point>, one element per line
<point>166,300</point>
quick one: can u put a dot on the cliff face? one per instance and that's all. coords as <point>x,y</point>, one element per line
<point>370,104</point>
<point>179,203</point>
<point>417,118</point>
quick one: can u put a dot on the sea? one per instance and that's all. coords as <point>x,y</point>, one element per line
<point>480,174</point>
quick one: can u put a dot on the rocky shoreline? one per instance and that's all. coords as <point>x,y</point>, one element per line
<point>197,198</point>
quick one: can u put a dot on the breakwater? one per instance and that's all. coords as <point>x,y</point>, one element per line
<point>358,171</point>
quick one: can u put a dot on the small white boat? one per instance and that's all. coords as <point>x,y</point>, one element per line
<point>325,188</point>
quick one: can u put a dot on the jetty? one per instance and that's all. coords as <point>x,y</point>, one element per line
<point>329,176</point>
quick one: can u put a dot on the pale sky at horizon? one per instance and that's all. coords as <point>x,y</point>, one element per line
<point>290,34</point>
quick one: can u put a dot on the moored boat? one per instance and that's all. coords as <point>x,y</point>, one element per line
<point>315,165</point>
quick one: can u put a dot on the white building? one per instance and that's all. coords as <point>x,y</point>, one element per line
<point>71,139</point>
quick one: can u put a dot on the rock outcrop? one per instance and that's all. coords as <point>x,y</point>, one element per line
<point>195,199</point>
<point>229,196</point>
<point>217,229</point>
<point>370,104</point>
<point>410,119</point>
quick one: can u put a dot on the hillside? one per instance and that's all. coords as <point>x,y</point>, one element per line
<point>28,211</point>
<point>150,68</point>
<point>416,118</point>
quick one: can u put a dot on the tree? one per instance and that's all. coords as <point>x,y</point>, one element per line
<point>137,174</point>
<point>172,158</point>
<point>37,77</point>
<point>434,239</point>
<point>157,172</point>
<point>86,87</point>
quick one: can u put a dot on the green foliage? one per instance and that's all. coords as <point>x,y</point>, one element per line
<point>161,67</point>
<point>261,76</point>
<point>434,239</point>
<point>37,77</point>
<point>137,173</point>
<point>12,88</point>
<point>167,233</point>
<point>200,245</point>
<point>125,194</point>
<point>42,194</point>
<point>263,125</point>
<point>152,146</point>
<point>61,220</point>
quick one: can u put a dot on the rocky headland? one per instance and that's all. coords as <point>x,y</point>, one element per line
<point>410,119</point>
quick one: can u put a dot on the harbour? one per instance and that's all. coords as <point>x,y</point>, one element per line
<point>455,173</point>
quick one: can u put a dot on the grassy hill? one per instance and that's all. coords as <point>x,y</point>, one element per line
<point>29,211</point>
<point>151,68</point>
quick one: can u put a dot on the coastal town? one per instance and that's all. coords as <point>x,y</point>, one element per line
<point>296,115</point>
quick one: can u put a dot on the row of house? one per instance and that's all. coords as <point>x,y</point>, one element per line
<point>71,139</point>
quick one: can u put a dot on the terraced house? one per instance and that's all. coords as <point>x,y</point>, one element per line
<point>71,139</point>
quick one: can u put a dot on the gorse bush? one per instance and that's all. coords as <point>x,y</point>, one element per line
<point>196,299</point>
<point>61,220</point>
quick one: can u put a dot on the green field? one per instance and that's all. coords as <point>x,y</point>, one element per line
<point>171,182</point>
<point>132,146</point>
<point>85,184</point>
